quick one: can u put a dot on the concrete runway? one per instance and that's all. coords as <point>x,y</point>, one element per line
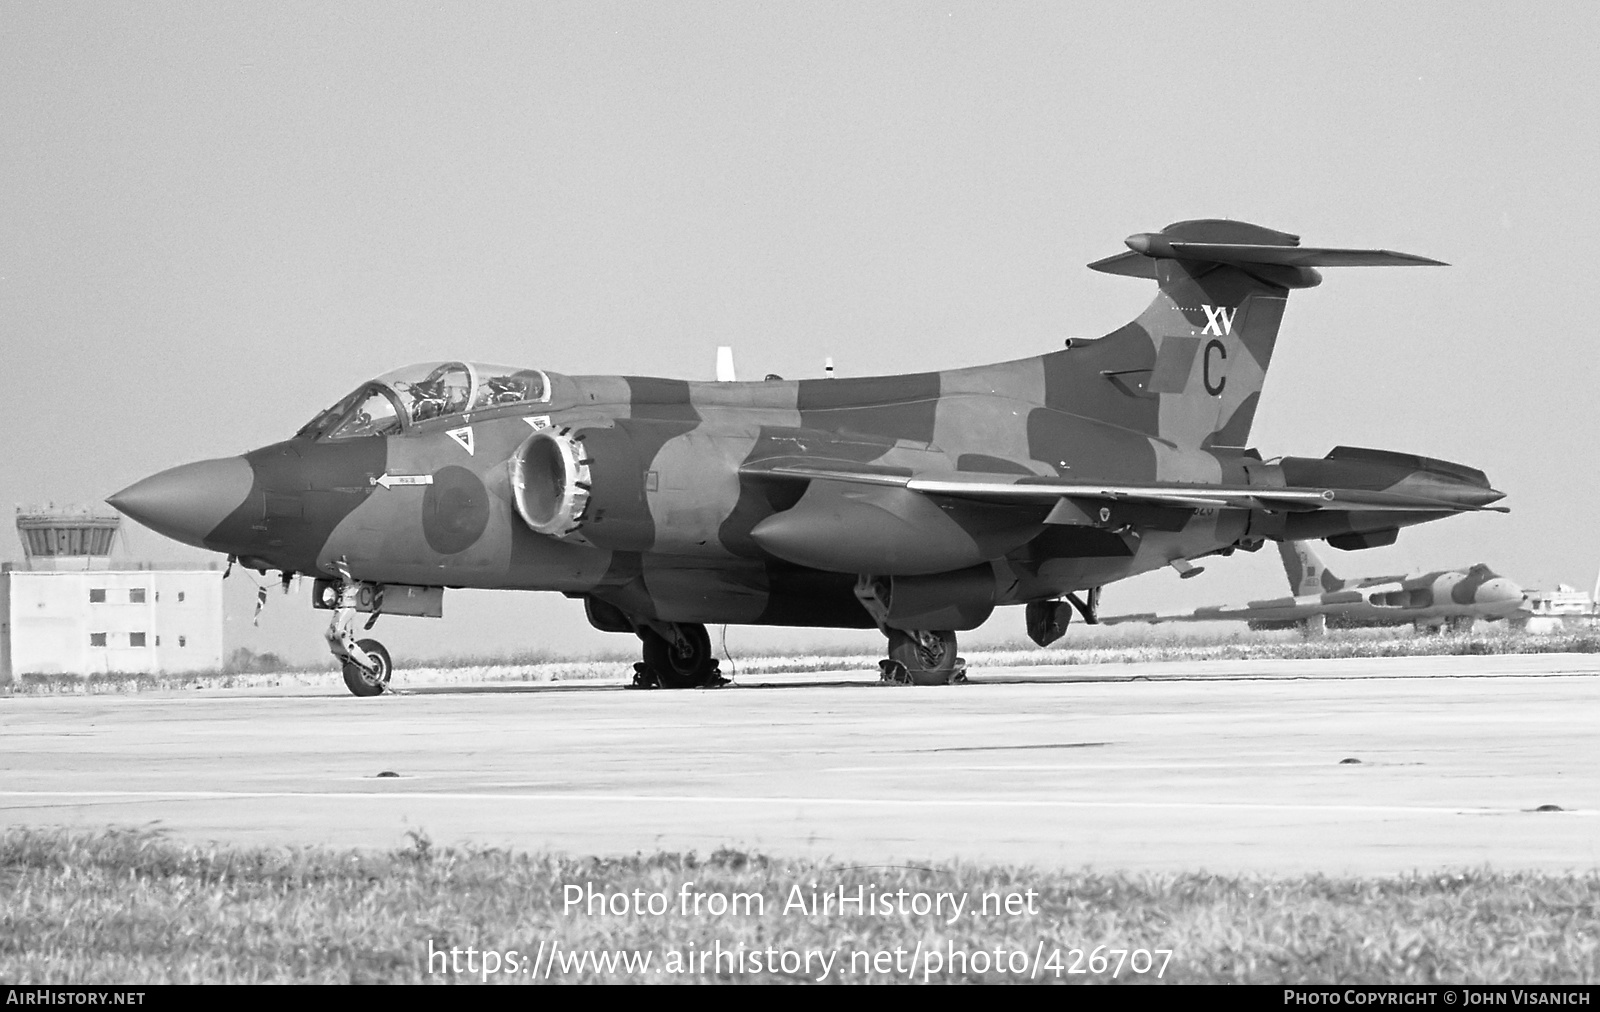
<point>1228,766</point>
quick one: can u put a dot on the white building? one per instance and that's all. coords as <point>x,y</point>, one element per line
<point>66,611</point>
<point>1546,611</point>
<point>99,621</point>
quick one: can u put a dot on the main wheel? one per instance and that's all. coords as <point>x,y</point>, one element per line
<point>928,656</point>
<point>685,665</point>
<point>362,682</point>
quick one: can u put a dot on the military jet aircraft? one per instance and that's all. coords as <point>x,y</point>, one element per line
<point>915,503</point>
<point>1430,601</point>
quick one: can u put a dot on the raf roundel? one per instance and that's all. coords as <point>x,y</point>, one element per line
<point>455,510</point>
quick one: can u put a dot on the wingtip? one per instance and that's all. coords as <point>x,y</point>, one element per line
<point>1422,261</point>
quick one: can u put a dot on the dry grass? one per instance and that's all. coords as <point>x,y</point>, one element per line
<point>1108,646</point>
<point>130,907</point>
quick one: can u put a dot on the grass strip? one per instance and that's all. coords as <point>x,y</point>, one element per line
<point>131,907</point>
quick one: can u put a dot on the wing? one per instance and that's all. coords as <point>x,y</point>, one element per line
<point>1016,490</point>
<point>1277,609</point>
<point>1213,614</point>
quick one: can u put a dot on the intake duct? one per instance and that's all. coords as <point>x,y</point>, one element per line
<point>550,482</point>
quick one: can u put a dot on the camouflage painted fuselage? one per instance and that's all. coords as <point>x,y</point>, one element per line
<point>674,539</point>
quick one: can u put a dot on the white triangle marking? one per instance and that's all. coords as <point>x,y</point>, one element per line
<point>464,437</point>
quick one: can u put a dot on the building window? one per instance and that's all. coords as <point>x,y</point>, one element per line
<point>183,641</point>
<point>97,595</point>
<point>97,639</point>
<point>136,639</point>
<point>136,595</point>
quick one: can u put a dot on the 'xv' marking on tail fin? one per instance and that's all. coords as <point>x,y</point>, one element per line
<point>1219,319</point>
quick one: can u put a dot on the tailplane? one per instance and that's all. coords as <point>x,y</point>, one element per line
<point>1201,350</point>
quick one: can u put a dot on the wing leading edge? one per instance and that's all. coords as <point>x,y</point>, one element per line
<point>1011,489</point>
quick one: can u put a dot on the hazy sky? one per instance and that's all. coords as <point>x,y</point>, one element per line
<point>215,219</point>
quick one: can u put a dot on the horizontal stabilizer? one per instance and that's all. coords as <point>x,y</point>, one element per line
<point>1278,256</point>
<point>1129,265</point>
<point>1194,241</point>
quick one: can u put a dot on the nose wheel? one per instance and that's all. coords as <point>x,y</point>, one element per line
<point>923,657</point>
<point>362,681</point>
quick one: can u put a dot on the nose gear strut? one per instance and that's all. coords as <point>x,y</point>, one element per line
<point>365,663</point>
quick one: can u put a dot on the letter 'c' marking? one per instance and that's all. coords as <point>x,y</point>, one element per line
<point>1222,381</point>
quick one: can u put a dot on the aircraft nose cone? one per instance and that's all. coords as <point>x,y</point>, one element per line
<point>186,503</point>
<point>1500,591</point>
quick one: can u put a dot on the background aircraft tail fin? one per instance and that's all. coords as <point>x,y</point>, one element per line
<point>1307,575</point>
<point>1197,357</point>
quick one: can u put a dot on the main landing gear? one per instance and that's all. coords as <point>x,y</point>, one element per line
<point>922,657</point>
<point>916,656</point>
<point>677,655</point>
<point>366,664</point>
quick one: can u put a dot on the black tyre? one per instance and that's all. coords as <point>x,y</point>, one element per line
<point>687,665</point>
<point>928,656</point>
<point>361,682</point>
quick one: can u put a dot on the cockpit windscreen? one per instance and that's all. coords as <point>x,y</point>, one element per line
<point>419,393</point>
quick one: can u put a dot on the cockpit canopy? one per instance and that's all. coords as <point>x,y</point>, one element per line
<point>398,400</point>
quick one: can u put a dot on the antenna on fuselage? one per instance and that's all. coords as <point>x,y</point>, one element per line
<point>725,364</point>
<point>827,367</point>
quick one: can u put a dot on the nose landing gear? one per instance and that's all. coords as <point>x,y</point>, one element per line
<point>365,663</point>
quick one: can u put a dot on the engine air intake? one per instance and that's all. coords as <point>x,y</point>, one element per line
<point>550,482</point>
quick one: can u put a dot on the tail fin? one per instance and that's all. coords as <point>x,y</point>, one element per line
<point>1202,348</point>
<point>1307,575</point>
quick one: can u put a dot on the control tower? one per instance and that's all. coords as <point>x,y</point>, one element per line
<point>74,538</point>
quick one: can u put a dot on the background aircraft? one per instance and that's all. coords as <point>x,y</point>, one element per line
<point>914,503</point>
<point>1430,601</point>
